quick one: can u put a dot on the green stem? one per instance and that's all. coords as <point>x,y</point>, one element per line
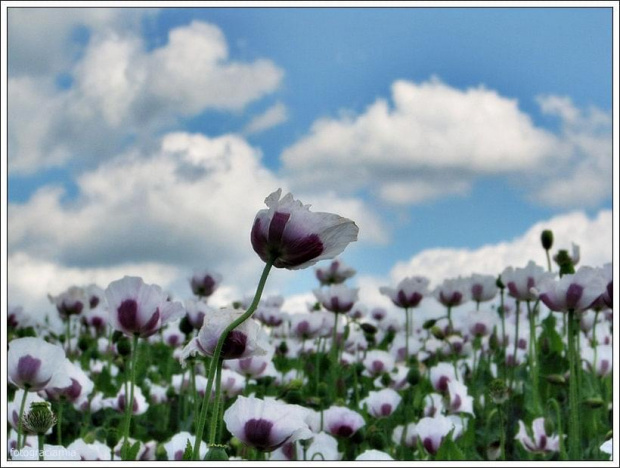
<point>516,344</point>
<point>450,320</point>
<point>573,427</point>
<point>558,416</point>
<point>21,437</point>
<point>41,445</point>
<point>218,351</point>
<point>548,259</point>
<point>68,335</point>
<point>595,343</point>
<point>407,331</point>
<point>129,404</point>
<point>533,356</point>
<point>59,422</point>
<point>192,370</point>
<point>216,404</point>
<point>502,433</point>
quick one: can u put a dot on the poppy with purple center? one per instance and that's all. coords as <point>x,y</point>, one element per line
<point>139,309</point>
<point>32,362</point>
<point>293,237</point>
<point>247,340</point>
<point>266,424</point>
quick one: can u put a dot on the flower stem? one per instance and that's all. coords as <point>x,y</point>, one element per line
<point>573,426</point>
<point>215,419</point>
<point>129,404</point>
<point>516,345</point>
<point>218,351</point>
<point>533,355</point>
<point>41,445</point>
<point>21,437</point>
<point>558,416</point>
<point>407,331</point>
<point>68,335</point>
<point>59,423</point>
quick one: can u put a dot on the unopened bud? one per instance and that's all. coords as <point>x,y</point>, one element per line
<point>376,438</point>
<point>216,453</point>
<point>429,324</point>
<point>438,333</point>
<point>493,451</point>
<point>123,346</point>
<point>39,419</point>
<point>498,391</point>
<point>546,238</point>
<point>117,335</point>
<point>369,328</point>
<point>594,403</point>
<point>556,379</point>
<point>186,326</point>
<point>565,262</point>
<point>413,376</point>
<point>359,436</point>
<point>112,437</point>
<point>499,283</point>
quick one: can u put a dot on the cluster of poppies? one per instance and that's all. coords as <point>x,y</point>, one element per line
<point>513,366</point>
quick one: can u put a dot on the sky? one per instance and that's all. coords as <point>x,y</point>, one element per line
<point>143,141</point>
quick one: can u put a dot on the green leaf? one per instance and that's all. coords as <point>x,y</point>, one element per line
<point>448,450</point>
<point>189,451</point>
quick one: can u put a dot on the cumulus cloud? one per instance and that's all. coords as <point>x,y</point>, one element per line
<point>46,41</point>
<point>272,117</point>
<point>434,140</point>
<point>121,90</point>
<point>190,203</point>
<point>594,236</point>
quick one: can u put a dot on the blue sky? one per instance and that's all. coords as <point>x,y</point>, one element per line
<point>441,128</point>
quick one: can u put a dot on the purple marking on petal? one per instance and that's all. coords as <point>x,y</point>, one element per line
<point>573,295</point>
<point>542,443</point>
<point>343,431</point>
<point>442,384</point>
<point>94,302</point>
<point>428,445</point>
<point>151,326</point>
<point>303,327</point>
<point>512,289</point>
<point>288,450</point>
<point>259,241</point>
<point>276,227</point>
<point>476,292</point>
<point>178,455</point>
<point>73,391</point>
<point>415,299</point>
<point>128,315</point>
<point>299,251</point>
<point>401,299</point>
<point>377,367</point>
<point>27,369</point>
<point>257,433</point>
<point>245,364</point>
<point>234,345</point>
<point>334,303</point>
<point>386,409</point>
<point>456,403</point>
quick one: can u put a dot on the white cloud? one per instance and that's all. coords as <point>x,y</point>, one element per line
<point>594,236</point>
<point>188,204</point>
<point>121,91</point>
<point>272,117</point>
<point>435,140</point>
<point>42,41</point>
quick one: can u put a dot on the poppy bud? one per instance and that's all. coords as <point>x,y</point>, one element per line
<point>39,419</point>
<point>216,453</point>
<point>546,238</point>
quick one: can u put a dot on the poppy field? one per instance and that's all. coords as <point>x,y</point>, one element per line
<point>516,367</point>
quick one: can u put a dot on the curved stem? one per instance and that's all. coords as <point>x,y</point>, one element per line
<point>218,351</point>
<point>558,416</point>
